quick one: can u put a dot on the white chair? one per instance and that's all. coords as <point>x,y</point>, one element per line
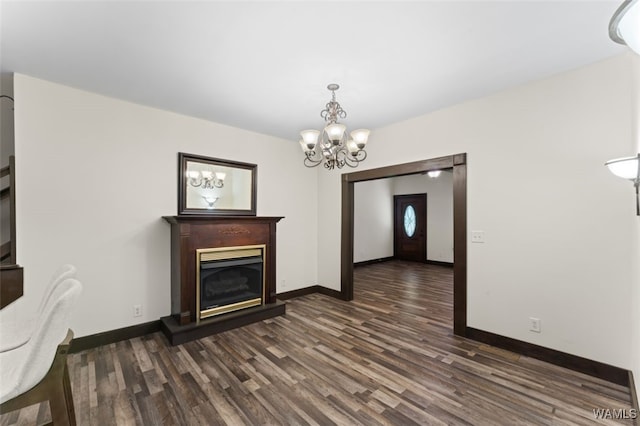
<point>16,333</point>
<point>37,371</point>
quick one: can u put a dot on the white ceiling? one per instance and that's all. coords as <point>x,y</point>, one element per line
<point>264,66</point>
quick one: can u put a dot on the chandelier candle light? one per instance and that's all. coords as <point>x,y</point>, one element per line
<point>333,149</point>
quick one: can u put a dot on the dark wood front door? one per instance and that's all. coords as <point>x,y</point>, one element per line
<point>410,227</point>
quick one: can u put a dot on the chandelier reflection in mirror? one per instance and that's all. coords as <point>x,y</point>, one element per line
<point>206,179</point>
<point>332,147</point>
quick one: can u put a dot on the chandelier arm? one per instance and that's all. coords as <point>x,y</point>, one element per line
<point>342,157</point>
<point>310,164</point>
<point>310,161</point>
<point>351,161</point>
<point>361,157</point>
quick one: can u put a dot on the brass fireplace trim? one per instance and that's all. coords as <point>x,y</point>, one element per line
<point>206,256</point>
<point>222,253</point>
<point>229,308</point>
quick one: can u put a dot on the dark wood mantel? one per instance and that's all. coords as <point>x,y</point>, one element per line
<point>192,232</point>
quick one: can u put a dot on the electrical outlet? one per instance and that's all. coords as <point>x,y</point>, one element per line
<point>477,236</point>
<point>534,325</point>
<point>137,310</point>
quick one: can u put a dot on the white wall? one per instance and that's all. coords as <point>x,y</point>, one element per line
<point>96,174</point>
<point>373,215</point>
<point>559,227</point>
<point>373,220</point>
<point>439,210</point>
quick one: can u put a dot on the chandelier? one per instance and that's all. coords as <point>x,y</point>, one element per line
<point>206,179</point>
<point>331,147</point>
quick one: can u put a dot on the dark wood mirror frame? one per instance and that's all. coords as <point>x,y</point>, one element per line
<point>185,209</point>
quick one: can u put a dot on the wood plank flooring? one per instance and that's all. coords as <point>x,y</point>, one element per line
<point>386,358</point>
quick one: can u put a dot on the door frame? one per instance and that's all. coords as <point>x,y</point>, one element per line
<point>457,162</point>
<point>397,217</point>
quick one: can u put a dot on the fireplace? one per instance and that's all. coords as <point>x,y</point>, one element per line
<point>229,278</point>
<point>223,274</point>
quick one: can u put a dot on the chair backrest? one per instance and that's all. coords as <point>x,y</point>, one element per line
<point>61,274</point>
<point>51,329</point>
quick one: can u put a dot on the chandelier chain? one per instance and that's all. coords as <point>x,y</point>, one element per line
<point>333,110</point>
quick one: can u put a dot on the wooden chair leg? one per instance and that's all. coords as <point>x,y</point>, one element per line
<point>61,403</point>
<point>68,396</point>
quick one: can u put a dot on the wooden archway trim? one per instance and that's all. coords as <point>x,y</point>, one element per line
<point>457,162</point>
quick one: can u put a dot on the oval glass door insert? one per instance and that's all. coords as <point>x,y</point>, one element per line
<point>409,221</point>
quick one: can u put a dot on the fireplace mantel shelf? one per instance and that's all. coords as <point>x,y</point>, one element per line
<point>191,233</point>
<point>202,218</point>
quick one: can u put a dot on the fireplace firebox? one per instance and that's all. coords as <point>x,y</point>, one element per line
<point>229,278</point>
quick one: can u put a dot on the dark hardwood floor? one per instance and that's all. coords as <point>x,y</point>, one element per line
<point>388,357</point>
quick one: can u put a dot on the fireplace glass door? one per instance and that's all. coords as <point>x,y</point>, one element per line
<point>229,280</point>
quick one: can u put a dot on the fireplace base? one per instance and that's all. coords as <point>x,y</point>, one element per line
<point>178,334</point>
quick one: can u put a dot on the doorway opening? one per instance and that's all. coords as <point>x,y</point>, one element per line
<point>458,163</point>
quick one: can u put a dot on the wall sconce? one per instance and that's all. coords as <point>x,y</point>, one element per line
<point>627,168</point>
<point>624,27</point>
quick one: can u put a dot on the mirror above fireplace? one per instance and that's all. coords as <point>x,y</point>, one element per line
<point>212,186</point>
